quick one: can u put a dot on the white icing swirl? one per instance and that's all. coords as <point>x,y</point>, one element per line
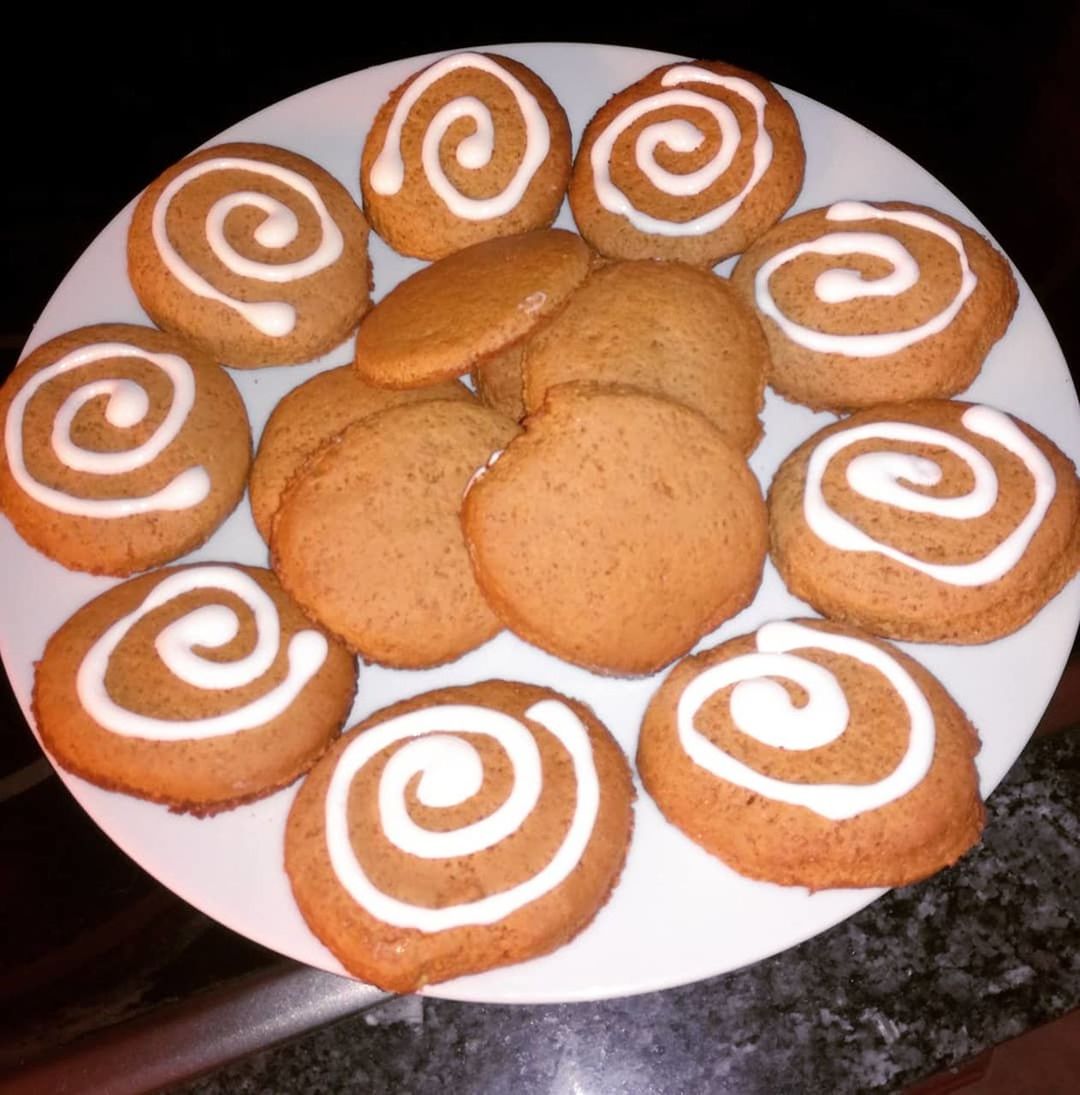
<point>451,772</point>
<point>879,476</point>
<point>209,626</point>
<point>127,406</point>
<point>682,136</point>
<point>278,229</point>
<point>762,708</point>
<point>839,286</point>
<point>474,152</point>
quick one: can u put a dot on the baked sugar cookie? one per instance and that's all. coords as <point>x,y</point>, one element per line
<point>124,448</point>
<point>693,162</point>
<point>309,416</point>
<point>197,687</point>
<point>871,303</point>
<point>368,538</point>
<point>472,147</point>
<point>439,322</point>
<point>808,754</point>
<point>933,521</point>
<point>617,530</point>
<point>504,849</point>
<point>254,252</point>
<point>666,328</point>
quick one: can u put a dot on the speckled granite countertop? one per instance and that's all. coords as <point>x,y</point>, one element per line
<point>924,978</point>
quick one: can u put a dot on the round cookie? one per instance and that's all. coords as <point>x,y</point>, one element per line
<point>472,147</point>
<point>254,252</point>
<point>693,162</point>
<point>666,328</point>
<point>875,303</point>
<point>932,521</point>
<point>124,448</point>
<point>808,754</point>
<point>497,879</point>
<point>368,539</point>
<point>309,416</point>
<point>439,322</point>
<point>198,687</point>
<point>616,530</point>
<point>497,380</point>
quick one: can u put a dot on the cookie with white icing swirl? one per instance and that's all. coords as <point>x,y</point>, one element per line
<point>872,303</point>
<point>693,162</point>
<point>809,754</point>
<point>458,831</point>
<point>124,448</point>
<point>933,521</point>
<point>197,687</point>
<point>253,251</point>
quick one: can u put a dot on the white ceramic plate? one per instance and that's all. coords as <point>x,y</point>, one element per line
<point>678,915</point>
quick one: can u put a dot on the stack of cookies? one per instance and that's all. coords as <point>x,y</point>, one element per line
<point>544,432</point>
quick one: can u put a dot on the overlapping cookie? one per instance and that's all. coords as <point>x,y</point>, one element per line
<point>693,162</point>
<point>254,252</point>
<point>615,531</point>
<point>124,448</point>
<point>935,521</point>
<point>871,303</point>
<point>504,848</point>
<point>809,754</point>
<point>309,416</point>
<point>198,687</point>
<point>497,380</point>
<point>368,538</point>
<point>472,147</point>
<point>664,327</point>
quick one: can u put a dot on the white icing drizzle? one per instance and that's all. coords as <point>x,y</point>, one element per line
<point>878,476</point>
<point>838,286</point>
<point>209,626</point>
<point>451,773</point>
<point>128,404</point>
<point>475,151</point>
<point>682,136</point>
<point>763,709</point>
<point>277,230</point>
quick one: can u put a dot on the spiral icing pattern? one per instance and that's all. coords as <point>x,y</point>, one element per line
<point>451,771</point>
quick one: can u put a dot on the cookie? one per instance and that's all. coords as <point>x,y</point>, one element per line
<point>693,162</point>
<point>504,849</point>
<point>933,521</point>
<point>436,324</point>
<point>124,448</point>
<point>875,303</point>
<point>309,416</point>
<point>497,381</point>
<point>809,754</point>
<point>472,147</point>
<point>615,531</point>
<point>368,539</point>
<point>254,252</point>
<point>666,328</point>
<point>197,687</point>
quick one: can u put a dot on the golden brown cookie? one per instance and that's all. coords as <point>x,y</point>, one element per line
<point>368,540</point>
<point>875,303</point>
<point>472,147</point>
<point>254,252</point>
<point>497,380</point>
<point>693,162</point>
<point>617,530</point>
<point>504,849</point>
<point>439,322</point>
<point>666,328</point>
<point>810,754</point>
<point>309,416</point>
<point>933,521</point>
<point>198,687</point>
<point>124,448</point>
